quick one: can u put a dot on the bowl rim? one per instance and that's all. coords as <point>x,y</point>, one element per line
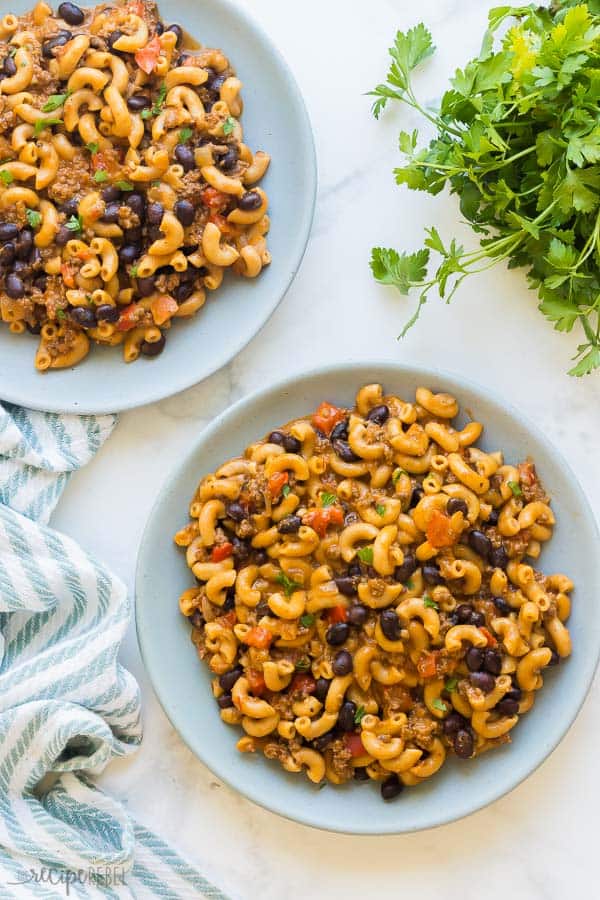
<point>45,401</point>
<point>226,419</point>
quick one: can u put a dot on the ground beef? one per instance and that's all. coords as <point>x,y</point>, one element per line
<point>193,185</point>
<point>420,730</point>
<point>341,760</point>
<point>530,485</point>
<point>72,177</point>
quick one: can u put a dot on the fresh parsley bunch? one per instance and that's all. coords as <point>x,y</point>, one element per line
<point>518,139</point>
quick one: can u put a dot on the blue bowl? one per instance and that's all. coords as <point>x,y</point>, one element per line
<point>182,682</point>
<point>275,120</point>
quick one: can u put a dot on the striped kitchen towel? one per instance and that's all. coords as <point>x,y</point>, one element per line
<point>67,707</point>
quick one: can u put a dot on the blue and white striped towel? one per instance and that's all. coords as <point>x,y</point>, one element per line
<point>67,707</point>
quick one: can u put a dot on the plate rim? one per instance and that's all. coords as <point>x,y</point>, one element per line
<point>270,803</point>
<point>15,396</point>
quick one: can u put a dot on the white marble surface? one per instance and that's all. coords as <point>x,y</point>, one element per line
<point>538,843</point>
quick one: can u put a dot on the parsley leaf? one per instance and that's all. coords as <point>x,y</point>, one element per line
<point>54,101</point>
<point>285,490</point>
<point>515,488</point>
<point>6,176</point>
<point>33,217</point>
<point>359,715</point>
<point>288,584</point>
<point>41,124</point>
<point>327,499</point>
<point>159,102</point>
<point>61,314</point>
<point>124,185</point>
<point>185,134</point>
<point>439,704</point>
<point>410,584</point>
<point>302,664</point>
<point>100,176</point>
<point>451,684</point>
<point>93,147</point>
<point>365,554</point>
<point>380,509</point>
<point>429,602</point>
<point>228,125</point>
<point>307,620</point>
<point>146,113</point>
<point>397,475</point>
<point>75,223</point>
<point>133,271</point>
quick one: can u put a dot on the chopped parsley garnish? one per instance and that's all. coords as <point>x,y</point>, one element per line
<point>61,314</point>
<point>439,704</point>
<point>451,684</point>
<point>33,217</point>
<point>156,184</point>
<point>159,102</point>
<point>146,113</point>
<point>93,147</point>
<point>327,499</point>
<point>100,176</point>
<point>285,490</point>
<point>307,620</point>
<point>515,488</point>
<point>228,125</point>
<point>365,554</point>
<point>358,715</point>
<point>13,51</point>
<point>380,509</point>
<point>75,223</point>
<point>7,177</point>
<point>133,271</point>
<point>124,185</point>
<point>410,584</point>
<point>397,474</point>
<point>429,602</point>
<point>303,664</point>
<point>55,100</point>
<point>45,123</point>
<point>288,584</point>
<point>185,134</point>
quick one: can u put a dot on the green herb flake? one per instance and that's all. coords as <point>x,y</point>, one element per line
<point>185,134</point>
<point>100,176</point>
<point>429,602</point>
<point>358,715</point>
<point>288,584</point>
<point>156,184</point>
<point>133,271</point>
<point>54,101</point>
<point>33,217</point>
<point>285,490</point>
<point>93,147</point>
<point>327,499</point>
<point>380,509</point>
<point>302,664</point>
<point>75,223</point>
<point>13,51</point>
<point>41,124</point>
<point>6,176</point>
<point>124,185</point>
<point>515,488</point>
<point>228,125</point>
<point>410,584</point>
<point>451,684</point>
<point>439,704</point>
<point>159,101</point>
<point>365,554</point>
<point>146,113</point>
<point>397,475</point>
<point>307,620</point>
<point>61,314</point>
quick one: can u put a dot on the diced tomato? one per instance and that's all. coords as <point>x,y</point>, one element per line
<point>327,416</point>
<point>162,308</point>
<point>491,640</point>
<point>439,530</point>
<point>354,744</point>
<point>320,519</point>
<point>221,552</point>
<point>147,57</point>
<point>106,161</point>
<point>129,318</point>
<point>256,682</point>
<point>427,665</point>
<point>276,483</point>
<point>68,275</point>
<point>258,637</point>
<point>527,474</point>
<point>400,696</point>
<point>214,199</point>
<point>303,684</point>
<point>228,620</point>
<point>221,222</point>
<point>338,614</point>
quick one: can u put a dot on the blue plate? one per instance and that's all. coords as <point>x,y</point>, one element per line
<point>182,682</point>
<point>275,120</point>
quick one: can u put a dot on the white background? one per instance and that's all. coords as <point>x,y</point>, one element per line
<point>541,840</point>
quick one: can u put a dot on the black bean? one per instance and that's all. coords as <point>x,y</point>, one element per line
<point>463,744</point>
<point>358,614</point>
<point>154,213</point>
<point>8,231</point>
<point>431,574</point>
<point>340,430</point>
<point>492,519</point>
<point>554,659</point>
<point>229,160</point>
<point>249,201</point>
<point>113,38</point>
<point>507,707</point>
<point>463,613</point>
<point>63,235</point>
<point>480,543</point>
<point>159,28</point>
<point>70,207</point>
<point>111,212</point>
<point>225,701</point>
<point>136,203</point>
<point>474,659</point>
<point>183,291</point>
<point>289,525</point>
<point>351,518</point>
<point>7,254</point>
<point>502,606</point>
<point>215,82</point>
<point>83,316</point>
<point>241,553</point>
<point>453,723</point>
<point>9,67</point>
<point>416,495</point>
<point>185,157</point>
<point>346,716</point>
<point>14,287</point>
<point>189,274</point>
<point>343,663</point>
<point>492,662</point>
<point>185,212</point>
<point>323,741</point>
<point>41,283</point>
<point>229,600</point>
<point>291,444</point>
<point>138,101</point>
<point>337,634</point>
<point>355,570</point>
<point>403,572</point>
<point>236,511</point>
<point>515,694</point>
<point>197,619</point>
<point>484,681</point>
<point>343,450</point>
<point>155,348</point>
<point>177,29</point>
<point>107,313</point>
<point>263,608</point>
<point>35,259</point>
<point>58,40</point>
<point>71,13</point>
<point>129,253</point>
<point>321,689</point>
<point>346,585</point>
<point>456,504</point>
<point>361,774</point>
<point>379,414</point>
<point>276,437</point>
<point>391,787</point>
<point>260,558</point>
<point>498,557</point>
<point>390,624</point>
<point>477,619</point>
<point>145,286</point>
<point>111,193</point>
<point>33,329</point>
<point>133,235</point>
